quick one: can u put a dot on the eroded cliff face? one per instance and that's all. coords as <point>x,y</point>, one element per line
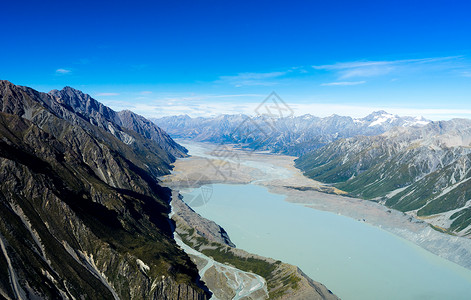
<point>82,214</point>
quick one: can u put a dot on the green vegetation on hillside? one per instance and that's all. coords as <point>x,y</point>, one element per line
<point>279,279</point>
<point>406,176</point>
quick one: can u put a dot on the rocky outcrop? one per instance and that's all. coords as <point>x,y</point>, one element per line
<point>204,227</point>
<point>82,214</point>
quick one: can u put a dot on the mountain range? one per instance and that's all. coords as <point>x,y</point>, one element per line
<point>289,135</point>
<point>422,171</point>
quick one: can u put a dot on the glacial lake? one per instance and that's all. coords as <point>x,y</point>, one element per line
<point>353,259</point>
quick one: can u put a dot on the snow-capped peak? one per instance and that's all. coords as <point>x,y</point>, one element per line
<point>381,118</point>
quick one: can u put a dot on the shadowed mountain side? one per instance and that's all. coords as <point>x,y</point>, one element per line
<point>82,214</point>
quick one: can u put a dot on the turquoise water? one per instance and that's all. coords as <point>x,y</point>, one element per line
<point>353,259</point>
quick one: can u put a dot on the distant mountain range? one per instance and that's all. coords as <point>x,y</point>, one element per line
<point>82,215</point>
<point>293,135</point>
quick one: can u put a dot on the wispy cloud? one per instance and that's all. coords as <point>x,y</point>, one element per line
<point>343,83</point>
<point>106,94</point>
<point>376,68</point>
<point>63,71</point>
<point>145,93</point>
<point>193,105</point>
<point>251,79</point>
<point>466,74</point>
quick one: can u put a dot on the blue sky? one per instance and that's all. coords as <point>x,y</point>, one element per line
<point>207,57</point>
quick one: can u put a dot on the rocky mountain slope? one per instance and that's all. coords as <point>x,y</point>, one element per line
<point>290,135</point>
<point>116,122</point>
<point>82,214</point>
<point>423,171</point>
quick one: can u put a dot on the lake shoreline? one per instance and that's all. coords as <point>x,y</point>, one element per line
<point>355,259</point>
<point>278,174</point>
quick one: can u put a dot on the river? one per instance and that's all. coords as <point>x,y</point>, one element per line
<point>355,259</point>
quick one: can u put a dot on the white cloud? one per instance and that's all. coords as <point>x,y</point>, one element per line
<point>205,106</point>
<point>251,79</point>
<point>63,71</point>
<point>376,68</point>
<point>343,83</point>
<point>194,105</point>
<point>145,92</point>
<point>106,94</point>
